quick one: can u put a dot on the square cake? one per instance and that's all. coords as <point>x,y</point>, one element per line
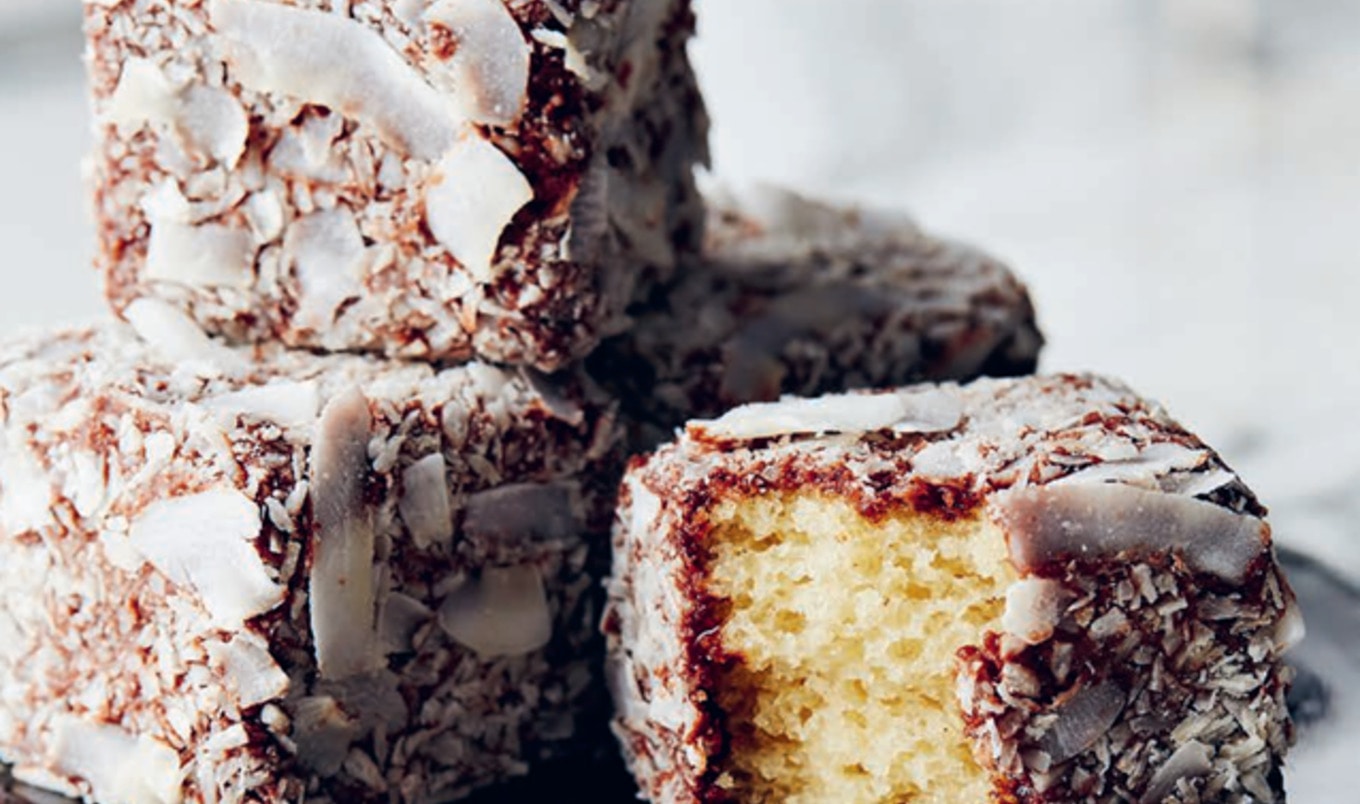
<point>1034,590</point>
<point>269,576</point>
<point>436,179</point>
<point>796,296</point>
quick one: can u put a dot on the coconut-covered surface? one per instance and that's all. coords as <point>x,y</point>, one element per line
<point>196,387</point>
<point>261,574</point>
<point>797,296</point>
<point>1066,594</point>
<point>439,180</point>
<point>1325,708</point>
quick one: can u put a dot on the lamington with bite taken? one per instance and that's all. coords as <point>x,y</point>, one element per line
<point>1034,590</point>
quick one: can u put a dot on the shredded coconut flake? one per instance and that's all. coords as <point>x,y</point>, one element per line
<point>489,70</point>
<point>120,767</point>
<point>208,120</point>
<point>330,60</point>
<point>143,95</point>
<point>213,123</point>
<point>1033,609</point>
<point>285,403</point>
<point>342,592</point>
<point>908,411</point>
<point>472,197</point>
<point>206,255</point>
<point>1190,760</point>
<point>502,613</point>
<point>425,505</point>
<point>1082,720</point>
<point>205,543</point>
<point>177,338</point>
<point>1047,523</point>
<point>327,253</point>
<point>523,513</point>
<point>250,669</point>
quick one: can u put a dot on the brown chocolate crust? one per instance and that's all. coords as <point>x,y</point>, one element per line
<point>1183,624</point>
<point>1210,645</point>
<point>776,306</point>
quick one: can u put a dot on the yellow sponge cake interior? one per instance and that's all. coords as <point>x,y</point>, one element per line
<point>844,630</point>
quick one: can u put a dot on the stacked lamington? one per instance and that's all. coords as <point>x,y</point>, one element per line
<point>325,515</point>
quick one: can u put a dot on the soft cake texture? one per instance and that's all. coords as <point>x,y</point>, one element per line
<point>1035,590</point>
<point>847,627</point>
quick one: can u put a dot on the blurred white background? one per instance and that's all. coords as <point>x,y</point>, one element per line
<point>1178,180</point>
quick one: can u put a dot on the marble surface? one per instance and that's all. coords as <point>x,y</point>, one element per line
<point>1178,180</point>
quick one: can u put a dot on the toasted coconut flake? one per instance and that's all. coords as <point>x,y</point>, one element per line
<point>790,224</point>
<point>341,591</point>
<point>755,366</point>
<point>177,337</point>
<point>205,543</point>
<point>939,459</point>
<point>323,732</point>
<point>119,766</point>
<point>553,400</point>
<point>143,95</point>
<point>330,60</point>
<point>473,195</point>
<point>402,616</point>
<point>208,120</point>
<point>502,613</point>
<point>213,123</point>
<point>263,210</point>
<point>1190,760</point>
<point>246,663</point>
<point>572,57</point>
<point>1046,524</point>
<point>206,255</point>
<point>1142,468</point>
<point>904,412</point>
<point>1198,484</point>
<point>1082,720</point>
<point>425,505</point>
<point>165,201</point>
<point>637,213</point>
<point>1291,629</point>
<point>372,698</point>
<point>286,403</point>
<point>327,253</point>
<point>27,487</point>
<point>590,229</point>
<point>1034,607</point>
<point>522,513</point>
<point>489,70</point>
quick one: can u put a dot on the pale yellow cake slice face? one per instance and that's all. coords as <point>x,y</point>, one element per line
<point>845,630</point>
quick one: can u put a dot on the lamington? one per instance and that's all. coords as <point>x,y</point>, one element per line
<point>1022,590</point>
<point>441,180</point>
<point>798,296</point>
<point>262,575</point>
